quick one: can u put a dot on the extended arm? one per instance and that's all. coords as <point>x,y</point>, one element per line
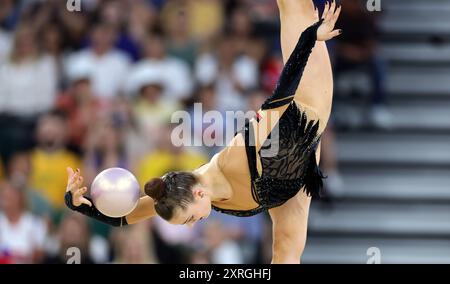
<point>293,70</point>
<point>144,210</point>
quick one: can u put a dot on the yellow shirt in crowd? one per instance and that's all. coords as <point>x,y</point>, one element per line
<point>205,16</point>
<point>158,163</point>
<point>49,175</point>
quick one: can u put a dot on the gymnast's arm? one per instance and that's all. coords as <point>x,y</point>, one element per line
<point>144,210</point>
<point>75,200</point>
<point>293,70</point>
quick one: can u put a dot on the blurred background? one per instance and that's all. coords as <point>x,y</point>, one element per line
<point>96,89</point>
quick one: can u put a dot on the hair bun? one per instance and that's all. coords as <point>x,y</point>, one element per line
<point>155,188</point>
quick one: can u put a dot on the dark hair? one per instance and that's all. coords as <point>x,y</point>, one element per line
<point>172,191</point>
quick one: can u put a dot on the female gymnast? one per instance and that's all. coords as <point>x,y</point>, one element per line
<point>244,181</point>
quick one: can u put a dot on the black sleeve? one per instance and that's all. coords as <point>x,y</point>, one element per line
<point>93,212</point>
<point>293,70</point>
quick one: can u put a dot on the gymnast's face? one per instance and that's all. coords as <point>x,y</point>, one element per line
<point>195,211</point>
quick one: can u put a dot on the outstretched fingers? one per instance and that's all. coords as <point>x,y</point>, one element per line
<point>331,12</point>
<point>325,11</point>
<point>78,195</point>
<point>336,15</point>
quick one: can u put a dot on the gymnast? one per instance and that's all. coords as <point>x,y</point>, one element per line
<point>247,177</point>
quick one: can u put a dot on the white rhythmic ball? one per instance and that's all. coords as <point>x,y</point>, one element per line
<point>115,192</point>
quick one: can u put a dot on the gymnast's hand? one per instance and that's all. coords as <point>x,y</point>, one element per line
<point>74,186</point>
<point>330,15</point>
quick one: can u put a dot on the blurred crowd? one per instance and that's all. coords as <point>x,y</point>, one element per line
<point>97,89</point>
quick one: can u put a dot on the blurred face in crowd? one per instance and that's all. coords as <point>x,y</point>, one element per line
<point>199,257</point>
<point>113,12</point>
<point>73,232</point>
<point>134,248</point>
<point>25,43</point>
<point>164,140</point>
<point>178,23</point>
<point>12,199</point>
<point>103,38</point>
<point>19,168</point>
<point>154,47</point>
<point>227,50</point>
<point>151,93</point>
<point>207,98</point>
<point>51,133</point>
<point>213,234</point>
<point>82,90</point>
<point>241,23</point>
<point>52,39</point>
<point>109,137</point>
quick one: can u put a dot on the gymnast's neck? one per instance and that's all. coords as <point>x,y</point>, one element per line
<point>213,181</point>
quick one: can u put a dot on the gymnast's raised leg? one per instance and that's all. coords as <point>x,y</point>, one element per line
<point>314,94</point>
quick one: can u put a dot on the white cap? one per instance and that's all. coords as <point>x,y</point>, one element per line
<point>142,76</point>
<point>79,69</point>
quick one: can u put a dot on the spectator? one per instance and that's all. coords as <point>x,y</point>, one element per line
<point>179,43</point>
<point>208,132</point>
<point>241,27</point>
<point>76,25</point>
<point>73,233</point>
<point>19,172</point>
<point>33,89</point>
<point>50,158</point>
<point>222,249</point>
<point>104,147</point>
<point>22,235</point>
<point>109,65</point>
<point>134,246</point>
<point>262,10</point>
<point>116,13</point>
<point>31,92</point>
<point>142,17</point>
<point>175,74</point>
<point>79,104</point>
<point>206,16</point>
<point>172,242</point>
<point>231,73</point>
<point>150,108</point>
<point>52,42</point>
<point>357,48</point>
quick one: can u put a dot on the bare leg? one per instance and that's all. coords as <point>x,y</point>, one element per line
<point>289,225</point>
<point>316,86</point>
